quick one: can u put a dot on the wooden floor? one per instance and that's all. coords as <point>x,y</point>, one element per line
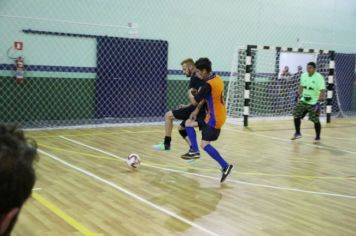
<point>278,187</point>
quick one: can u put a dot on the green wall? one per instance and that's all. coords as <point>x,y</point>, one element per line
<point>45,99</point>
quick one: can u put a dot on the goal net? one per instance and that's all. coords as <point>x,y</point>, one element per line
<point>264,80</point>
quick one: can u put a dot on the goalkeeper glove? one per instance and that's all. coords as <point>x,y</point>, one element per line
<point>318,105</point>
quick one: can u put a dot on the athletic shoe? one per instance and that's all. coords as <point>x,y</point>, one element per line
<point>316,141</point>
<point>296,136</point>
<point>161,147</point>
<point>191,155</point>
<point>225,173</point>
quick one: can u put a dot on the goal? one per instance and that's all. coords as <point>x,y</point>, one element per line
<point>264,80</point>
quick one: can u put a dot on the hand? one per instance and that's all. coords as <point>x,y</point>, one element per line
<point>192,92</point>
<point>317,106</point>
<point>193,116</point>
<point>182,106</point>
<point>296,96</point>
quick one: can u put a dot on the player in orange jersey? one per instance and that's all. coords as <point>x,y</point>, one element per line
<point>212,93</point>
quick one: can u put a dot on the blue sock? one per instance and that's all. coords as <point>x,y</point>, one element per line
<point>216,156</point>
<point>193,138</point>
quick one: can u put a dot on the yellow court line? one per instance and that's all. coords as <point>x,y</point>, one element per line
<point>64,216</point>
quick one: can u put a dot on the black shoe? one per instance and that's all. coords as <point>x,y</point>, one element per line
<point>191,155</point>
<point>225,173</point>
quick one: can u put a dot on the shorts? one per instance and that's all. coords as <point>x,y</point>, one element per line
<point>303,108</point>
<point>183,113</point>
<point>209,133</point>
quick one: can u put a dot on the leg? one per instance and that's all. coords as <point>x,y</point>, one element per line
<point>194,149</point>
<point>189,126</point>
<point>166,145</point>
<point>183,133</point>
<point>317,127</point>
<point>214,154</point>
<point>180,114</point>
<point>211,134</point>
<point>168,117</point>
<point>314,117</point>
<point>298,114</point>
<point>297,123</point>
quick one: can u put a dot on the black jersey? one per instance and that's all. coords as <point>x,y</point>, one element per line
<point>195,82</point>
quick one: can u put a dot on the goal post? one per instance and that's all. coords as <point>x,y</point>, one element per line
<point>264,80</point>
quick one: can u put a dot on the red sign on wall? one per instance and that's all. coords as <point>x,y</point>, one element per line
<point>18,45</point>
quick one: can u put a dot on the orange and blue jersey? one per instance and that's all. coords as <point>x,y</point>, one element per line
<point>213,93</point>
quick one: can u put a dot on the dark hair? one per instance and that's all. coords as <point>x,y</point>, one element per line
<point>203,63</point>
<point>17,175</point>
<point>312,64</point>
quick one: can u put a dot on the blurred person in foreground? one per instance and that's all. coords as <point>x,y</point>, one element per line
<point>17,175</point>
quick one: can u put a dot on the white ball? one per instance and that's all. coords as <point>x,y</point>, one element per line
<point>133,160</point>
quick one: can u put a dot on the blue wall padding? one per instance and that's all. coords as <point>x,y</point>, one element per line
<point>131,77</point>
<point>345,71</point>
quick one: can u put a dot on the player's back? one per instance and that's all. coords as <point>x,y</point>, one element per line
<point>216,107</point>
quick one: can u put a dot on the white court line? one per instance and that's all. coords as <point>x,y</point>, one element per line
<point>127,192</point>
<point>36,189</point>
<point>214,178</point>
<point>330,137</point>
<point>331,148</point>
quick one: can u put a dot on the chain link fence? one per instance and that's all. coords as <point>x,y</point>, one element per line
<point>91,62</point>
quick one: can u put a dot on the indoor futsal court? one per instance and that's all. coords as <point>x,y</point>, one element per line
<point>178,118</point>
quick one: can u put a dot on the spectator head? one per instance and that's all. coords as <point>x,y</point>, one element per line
<point>17,175</point>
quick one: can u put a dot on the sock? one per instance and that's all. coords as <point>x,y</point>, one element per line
<point>183,133</point>
<point>317,128</point>
<point>216,156</point>
<point>193,138</point>
<point>167,141</point>
<point>297,123</point>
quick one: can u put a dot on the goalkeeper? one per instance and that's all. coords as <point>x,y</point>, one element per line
<point>311,93</point>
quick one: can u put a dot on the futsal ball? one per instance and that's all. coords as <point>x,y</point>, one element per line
<point>133,160</point>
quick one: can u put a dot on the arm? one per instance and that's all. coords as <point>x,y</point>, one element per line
<point>300,90</point>
<point>298,93</point>
<point>191,97</point>
<point>322,95</point>
<point>202,94</point>
<point>194,114</point>
<point>192,91</point>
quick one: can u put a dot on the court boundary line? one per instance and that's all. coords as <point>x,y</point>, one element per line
<point>211,177</point>
<point>330,137</point>
<point>127,192</point>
